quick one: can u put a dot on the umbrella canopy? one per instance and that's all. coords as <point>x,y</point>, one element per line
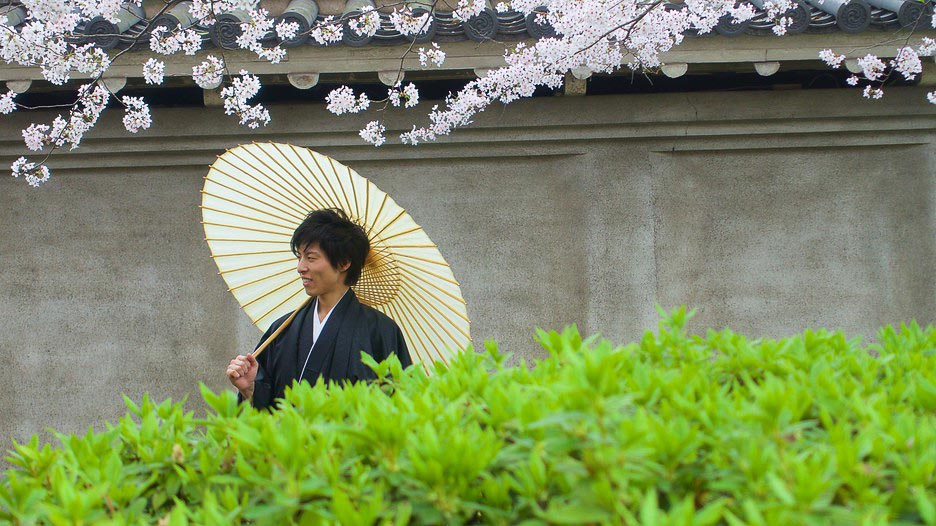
<point>254,197</point>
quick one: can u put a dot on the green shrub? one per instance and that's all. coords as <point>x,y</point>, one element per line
<point>673,429</point>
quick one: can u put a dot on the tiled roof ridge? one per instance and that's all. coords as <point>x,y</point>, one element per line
<point>813,16</point>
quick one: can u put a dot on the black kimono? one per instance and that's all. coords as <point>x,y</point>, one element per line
<point>352,327</point>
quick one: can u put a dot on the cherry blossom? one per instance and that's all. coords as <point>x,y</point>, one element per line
<point>190,40</point>
<point>137,116</point>
<point>208,74</point>
<point>34,175</point>
<point>434,55</point>
<point>408,23</point>
<point>6,102</point>
<point>341,100</point>
<point>167,42</point>
<point>874,71</point>
<point>469,8</point>
<point>872,93</point>
<point>907,63</point>
<point>92,99</point>
<point>373,133</point>
<point>327,32</point>
<point>205,10</point>
<point>601,36</point>
<point>831,58</point>
<point>255,29</point>
<point>871,67</point>
<point>235,97</point>
<point>286,30</point>
<point>35,136</point>
<point>408,96</point>
<point>927,46</point>
<point>777,11</point>
<point>153,71</point>
<point>366,24</point>
<point>164,42</point>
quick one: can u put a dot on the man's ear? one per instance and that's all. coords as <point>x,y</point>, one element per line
<point>343,267</point>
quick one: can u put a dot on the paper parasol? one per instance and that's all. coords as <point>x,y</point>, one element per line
<point>255,195</point>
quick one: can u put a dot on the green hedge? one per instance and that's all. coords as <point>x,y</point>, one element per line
<point>673,429</point>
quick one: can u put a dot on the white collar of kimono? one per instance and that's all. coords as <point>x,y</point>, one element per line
<point>318,325</point>
<point>317,328</point>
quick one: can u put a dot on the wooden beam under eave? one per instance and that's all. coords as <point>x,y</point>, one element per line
<point>574,87</point>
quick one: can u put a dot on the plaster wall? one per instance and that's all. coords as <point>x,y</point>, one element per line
<point>767,211</point>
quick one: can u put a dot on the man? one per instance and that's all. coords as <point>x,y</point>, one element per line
<point>326,337</point>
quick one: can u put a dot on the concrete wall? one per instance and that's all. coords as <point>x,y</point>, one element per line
<point>767,211</point>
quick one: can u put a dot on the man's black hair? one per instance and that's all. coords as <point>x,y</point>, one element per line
<point>337,236</point>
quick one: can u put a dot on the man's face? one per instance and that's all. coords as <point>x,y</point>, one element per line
<point>318,275</point>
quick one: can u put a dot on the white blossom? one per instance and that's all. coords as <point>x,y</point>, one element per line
<point>167,42</point>
<point>872,93</point>
<point>274,54</point>
<point>777,11</point>
<point>328,31</point>
<point>252,33</point>
<point>208,74</point>
<point>92,99</point>
<point>871,67</point>
<point>287,30</point>
<point>35,136</point>
<point>107,9</point>
<point>468,8</point>
<point>407,23</point>
<point>153,71</point>
<point>205,10</point>
<point>373,133</point>
<point>255,29</point>
<point>137,116</point>
<point>341,100</point>
<point>781,24</point>
<point>927,47</point>
<point>34,175</point>
<point>411,94</point>
<point>367,23</point>
<point>395,97</point>
<point>90,60</point>
<point>831,58</point>
<point>7,105</point>
<point>164,42</point>
<point>434,55</point>
<point>407,96</point>
<point>236,97</point>
<point>202,10</point>
<point>601,35</point>
<point>191,41</point>
<point>907,63</point>
<point>931,97</point>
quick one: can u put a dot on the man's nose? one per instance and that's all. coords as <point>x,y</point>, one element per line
<point>301,266</point>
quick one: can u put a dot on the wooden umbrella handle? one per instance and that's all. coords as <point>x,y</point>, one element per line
<point>280,329</point>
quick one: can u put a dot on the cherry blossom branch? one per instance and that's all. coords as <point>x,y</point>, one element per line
<point>603,35</point>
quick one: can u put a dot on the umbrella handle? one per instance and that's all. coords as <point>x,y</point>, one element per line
<point>280,329</point>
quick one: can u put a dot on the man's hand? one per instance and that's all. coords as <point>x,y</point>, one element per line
<point>242,371</point>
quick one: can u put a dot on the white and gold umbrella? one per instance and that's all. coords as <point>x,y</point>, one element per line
<point>255,195</point>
